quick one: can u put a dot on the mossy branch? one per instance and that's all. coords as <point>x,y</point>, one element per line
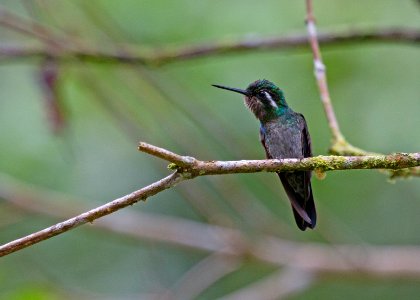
<point>191,167</point>
<point>188,168</point>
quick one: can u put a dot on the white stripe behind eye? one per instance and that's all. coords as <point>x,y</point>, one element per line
<point>272,102</point>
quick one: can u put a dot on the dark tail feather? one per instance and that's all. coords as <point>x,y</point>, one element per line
<point>303,210</point>
<point>310,211</point>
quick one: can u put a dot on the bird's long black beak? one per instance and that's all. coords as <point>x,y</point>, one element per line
<point>243,92</point>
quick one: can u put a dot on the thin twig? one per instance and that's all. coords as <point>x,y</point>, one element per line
<point>320,74</point>
<point>30,27</point>
<point>181,161</point>
<point>201,168</point>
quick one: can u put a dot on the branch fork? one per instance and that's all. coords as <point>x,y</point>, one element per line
<point>188,167</point>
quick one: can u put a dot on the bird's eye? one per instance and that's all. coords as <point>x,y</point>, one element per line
<point>262,94</point>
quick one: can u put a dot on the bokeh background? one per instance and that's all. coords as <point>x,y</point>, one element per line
<point>50,170</point>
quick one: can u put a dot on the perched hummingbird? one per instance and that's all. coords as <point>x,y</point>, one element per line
<point>284,134</point>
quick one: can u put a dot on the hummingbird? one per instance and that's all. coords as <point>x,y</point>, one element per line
<point>283,134</point>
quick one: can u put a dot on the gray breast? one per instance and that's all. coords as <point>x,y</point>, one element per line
<point>283,139</point>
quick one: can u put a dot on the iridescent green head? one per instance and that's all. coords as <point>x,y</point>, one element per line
<point>263,98</point>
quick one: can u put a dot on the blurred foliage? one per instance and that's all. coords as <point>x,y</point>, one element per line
<point>109,108</point>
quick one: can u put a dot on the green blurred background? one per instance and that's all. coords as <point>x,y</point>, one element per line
<point>108,108</point>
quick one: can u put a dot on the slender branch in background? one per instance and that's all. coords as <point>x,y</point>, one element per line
<point>191,168</point>
<point>321,78</point>
<point>165,55</point>
<point>320,74</point>
<point>53,43</point>
<point>30,27</point>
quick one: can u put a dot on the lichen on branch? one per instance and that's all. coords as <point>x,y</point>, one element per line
<point>195,167</point>
<point>189,167</point>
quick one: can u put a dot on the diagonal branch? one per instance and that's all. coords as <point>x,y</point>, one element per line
<point>313,258</point>
<point>31,27</point>
<point>190,168</point>
<point>25,26</point>
<point>90,216</point>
